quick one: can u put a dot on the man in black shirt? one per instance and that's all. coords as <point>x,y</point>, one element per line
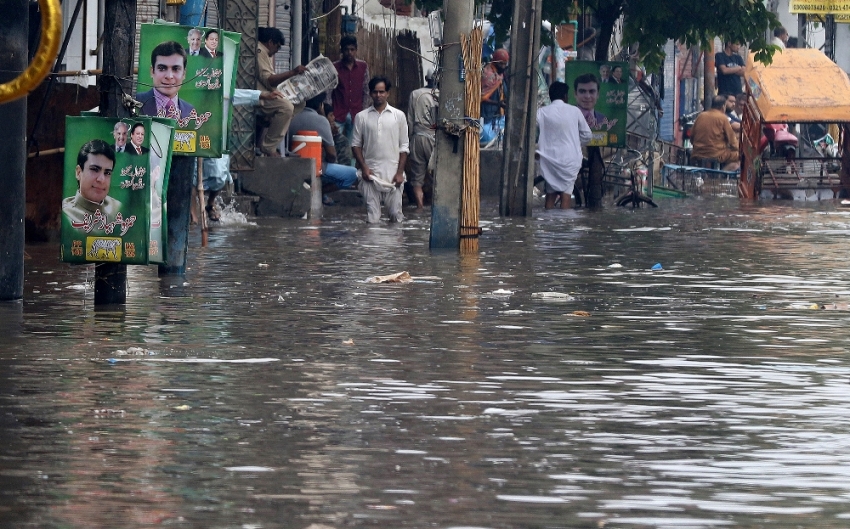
<point>730,69</point>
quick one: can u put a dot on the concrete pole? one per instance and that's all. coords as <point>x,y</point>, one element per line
<point>110,279</point>
<point>521,118</point>
<point>448,175</point>
<point>13,116</point>
<point>179,200</point>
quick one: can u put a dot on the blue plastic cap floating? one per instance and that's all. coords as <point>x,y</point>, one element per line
<point>657,266</point>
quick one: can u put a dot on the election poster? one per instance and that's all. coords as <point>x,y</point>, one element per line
<point>185,74</point>
<point>600,90</point>
<point>114,184</point>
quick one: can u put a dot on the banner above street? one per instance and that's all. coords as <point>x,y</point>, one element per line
<point>820,7</point>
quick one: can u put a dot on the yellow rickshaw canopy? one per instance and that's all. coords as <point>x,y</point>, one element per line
<point>800,86</point>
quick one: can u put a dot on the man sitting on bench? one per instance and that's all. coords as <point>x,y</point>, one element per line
<point>713,138</point>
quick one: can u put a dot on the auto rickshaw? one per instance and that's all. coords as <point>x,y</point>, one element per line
<point>795,108</point>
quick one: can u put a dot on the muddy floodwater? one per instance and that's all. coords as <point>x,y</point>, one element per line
<point>553,380</point>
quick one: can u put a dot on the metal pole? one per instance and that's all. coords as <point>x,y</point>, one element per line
<point>297,32</point>
<point>829,37</point>
<point>13,116</point>
<point>110,279</point>
<point>51,79</point>
<point>448,174</point>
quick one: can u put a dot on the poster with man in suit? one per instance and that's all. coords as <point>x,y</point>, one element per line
<point>190,89</point>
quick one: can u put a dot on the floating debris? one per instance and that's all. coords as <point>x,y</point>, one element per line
<point>105,412</point>
<point>552,296</point>
<point>580,313</point>
<point>131,351</point>
<point>400,277</point>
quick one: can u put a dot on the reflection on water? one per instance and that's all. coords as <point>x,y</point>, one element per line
<point>552,380</point>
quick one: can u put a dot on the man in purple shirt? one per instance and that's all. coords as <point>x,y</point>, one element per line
<point>351,94</point>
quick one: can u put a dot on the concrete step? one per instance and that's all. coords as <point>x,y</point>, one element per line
<point>347,198</point>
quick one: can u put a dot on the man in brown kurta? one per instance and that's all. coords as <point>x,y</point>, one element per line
<point>713,138</point>
<point>278,111</point>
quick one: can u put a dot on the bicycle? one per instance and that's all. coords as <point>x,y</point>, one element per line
<point>628,170</point>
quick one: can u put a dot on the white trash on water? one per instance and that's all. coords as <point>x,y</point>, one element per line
<point>552,296</point>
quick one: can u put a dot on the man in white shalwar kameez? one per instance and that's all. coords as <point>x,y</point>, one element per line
<point>563,130</point>
<point>380,145</point>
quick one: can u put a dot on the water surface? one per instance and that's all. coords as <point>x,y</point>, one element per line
<point>554,380</point>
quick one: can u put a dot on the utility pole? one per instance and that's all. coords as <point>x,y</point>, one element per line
<point>445,208</point>
<point>179,200</point>
<point>110,279</point>
<point>521,118</point>
<point>13,116</point>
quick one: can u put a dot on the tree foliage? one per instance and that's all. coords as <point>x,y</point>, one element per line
<point>651,23</point>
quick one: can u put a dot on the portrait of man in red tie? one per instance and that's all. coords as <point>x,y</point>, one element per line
<point>137,138</point>
<point>210,48</point>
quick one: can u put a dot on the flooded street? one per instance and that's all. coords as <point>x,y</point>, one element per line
<point>551,381</point>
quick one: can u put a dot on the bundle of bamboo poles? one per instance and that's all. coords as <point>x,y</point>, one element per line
<point>470,198</point>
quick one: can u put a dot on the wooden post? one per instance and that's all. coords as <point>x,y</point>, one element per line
<point>709,77</point>
<point>521,118</point>
<point>333,29</point>
<point>844,176</point>
<point>445,207</point>
<point>13,115</point>
<point>202,216</point>
<point>110,279</point>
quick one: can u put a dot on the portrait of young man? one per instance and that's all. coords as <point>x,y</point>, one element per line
<point>95,162</point>
<point>168,70</point>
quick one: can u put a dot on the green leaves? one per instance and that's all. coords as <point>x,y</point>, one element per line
<point>651,23</point>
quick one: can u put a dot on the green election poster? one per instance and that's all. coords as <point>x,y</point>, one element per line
<point>184,74</point>
<point>600,90</point>
<point>115,173</point>
<point>162,137</point>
